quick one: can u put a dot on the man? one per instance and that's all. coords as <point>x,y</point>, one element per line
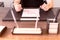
<point>20,4</point>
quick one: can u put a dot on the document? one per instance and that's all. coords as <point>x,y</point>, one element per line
<point>31,13</point>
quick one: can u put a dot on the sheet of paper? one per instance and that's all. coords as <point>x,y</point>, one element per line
<point>30,13</point>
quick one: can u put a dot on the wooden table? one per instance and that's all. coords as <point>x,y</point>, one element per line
<point>10,24</point>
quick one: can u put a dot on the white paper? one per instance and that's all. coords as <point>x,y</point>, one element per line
<point>30,13</point>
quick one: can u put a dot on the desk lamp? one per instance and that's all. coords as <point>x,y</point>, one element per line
<point>18,30</point>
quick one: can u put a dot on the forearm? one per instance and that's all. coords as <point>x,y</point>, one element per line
<point>47,6</point>
<point>49,3</point>
<point>17,5</point>
<point>16,2</point>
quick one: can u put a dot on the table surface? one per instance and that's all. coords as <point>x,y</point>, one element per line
<point>10,24</point>
<point>52,13</point>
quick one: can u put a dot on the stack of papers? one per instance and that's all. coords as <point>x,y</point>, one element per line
<point>30,14</point>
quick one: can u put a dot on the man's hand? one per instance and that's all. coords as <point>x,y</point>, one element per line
<point>18,7</point>
<point>45,7</point>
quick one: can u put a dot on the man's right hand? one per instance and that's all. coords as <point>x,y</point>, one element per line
<point>18,7</point>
